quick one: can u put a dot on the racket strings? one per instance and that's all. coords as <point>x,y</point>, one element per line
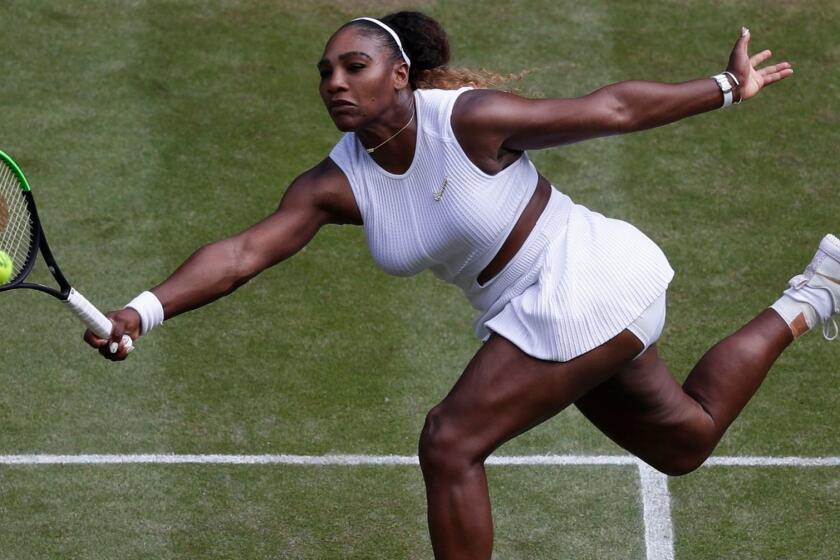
<point>15,220</point>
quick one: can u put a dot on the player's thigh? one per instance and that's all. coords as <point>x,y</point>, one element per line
<point>504,391</point>
<point>645,410</point>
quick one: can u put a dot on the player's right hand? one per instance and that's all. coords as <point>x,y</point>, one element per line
<point>125,322</point>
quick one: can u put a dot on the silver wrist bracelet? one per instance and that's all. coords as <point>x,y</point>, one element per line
<point>725,87</point>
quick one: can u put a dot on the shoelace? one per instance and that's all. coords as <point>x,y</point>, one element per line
<point>801,280</point>
<point>827,329</point>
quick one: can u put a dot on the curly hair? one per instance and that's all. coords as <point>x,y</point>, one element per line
<point>427,46</point>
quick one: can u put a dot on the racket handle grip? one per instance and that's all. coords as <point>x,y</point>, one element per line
<point>93,319</point>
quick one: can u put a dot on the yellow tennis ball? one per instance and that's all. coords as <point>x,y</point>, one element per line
<point>5,267</point>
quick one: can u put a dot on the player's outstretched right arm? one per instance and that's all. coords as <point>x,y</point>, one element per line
<point>312,200</point>
<point>318,197</point>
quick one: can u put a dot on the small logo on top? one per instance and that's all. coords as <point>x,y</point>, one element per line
<point>438,194</point>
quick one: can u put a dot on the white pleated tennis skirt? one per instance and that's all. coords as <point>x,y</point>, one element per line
<point>578,280</point>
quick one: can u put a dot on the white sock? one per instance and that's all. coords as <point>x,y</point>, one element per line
<point>818,298</point>
<point>800,316</point>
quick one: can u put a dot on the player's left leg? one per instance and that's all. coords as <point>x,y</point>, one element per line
<point>675,428</point>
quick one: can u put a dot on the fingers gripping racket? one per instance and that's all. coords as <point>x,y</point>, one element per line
<point>21,238</point>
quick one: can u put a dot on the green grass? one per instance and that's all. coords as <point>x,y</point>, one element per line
<point>301,512</point>
<point>148,128</point>
<point>757,513</point>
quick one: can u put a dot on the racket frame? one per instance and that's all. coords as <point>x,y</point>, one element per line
<point>87,312</point>
<point>38,243</point>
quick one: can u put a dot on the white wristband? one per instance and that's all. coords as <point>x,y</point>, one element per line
<point>148,306</point>
<point>725,87</point>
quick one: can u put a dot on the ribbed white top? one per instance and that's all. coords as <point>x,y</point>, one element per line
<point>577,281</point>
<point>443,213</point>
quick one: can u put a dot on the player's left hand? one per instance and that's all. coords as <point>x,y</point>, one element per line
<point>745,68</point>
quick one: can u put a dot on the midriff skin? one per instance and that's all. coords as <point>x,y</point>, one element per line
<point>521,230</point>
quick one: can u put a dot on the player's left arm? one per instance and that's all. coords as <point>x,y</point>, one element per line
<point>515,123</point>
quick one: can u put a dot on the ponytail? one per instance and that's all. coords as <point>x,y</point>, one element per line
<point>427,46</point>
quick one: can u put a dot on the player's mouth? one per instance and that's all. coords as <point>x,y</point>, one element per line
<point>338,105</point>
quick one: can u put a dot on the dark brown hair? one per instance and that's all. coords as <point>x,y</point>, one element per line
<point>427,46</point>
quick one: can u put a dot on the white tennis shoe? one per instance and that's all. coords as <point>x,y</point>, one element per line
<point>824,273</point>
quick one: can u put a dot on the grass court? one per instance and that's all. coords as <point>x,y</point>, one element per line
<point>150,127</point>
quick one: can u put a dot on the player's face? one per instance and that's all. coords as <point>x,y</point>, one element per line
<point>359,79</point>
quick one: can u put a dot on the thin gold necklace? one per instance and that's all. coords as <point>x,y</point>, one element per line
<point>371,150</point>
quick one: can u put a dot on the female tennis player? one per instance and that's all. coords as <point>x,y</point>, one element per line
<point>571,303</point>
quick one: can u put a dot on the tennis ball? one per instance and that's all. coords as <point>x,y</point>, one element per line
<point>5,267</point>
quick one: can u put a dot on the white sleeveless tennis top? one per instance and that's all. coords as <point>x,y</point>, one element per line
<point>577,281</point>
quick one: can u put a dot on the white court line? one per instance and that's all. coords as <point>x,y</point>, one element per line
<point>339,460</point>
<point>656,508</point>
<point>656,500</point>
<point>166,459</point>
<point>747,461</point>
<point>323,460</point>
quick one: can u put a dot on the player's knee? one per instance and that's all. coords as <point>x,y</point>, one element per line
<point>678,467</point>
<point>685,461</point>
<point>443,447</point>
<point>689,445</point>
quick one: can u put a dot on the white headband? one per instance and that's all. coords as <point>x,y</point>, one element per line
<point>389,30</point>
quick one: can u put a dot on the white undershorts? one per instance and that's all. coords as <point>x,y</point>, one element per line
<point>648,327</point>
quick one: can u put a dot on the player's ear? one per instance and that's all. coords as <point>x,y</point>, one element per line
<point>401,76</point>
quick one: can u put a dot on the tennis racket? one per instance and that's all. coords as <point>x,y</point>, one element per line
<point>21,238</point>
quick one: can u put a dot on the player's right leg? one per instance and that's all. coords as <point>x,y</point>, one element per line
<point>502,392</point>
